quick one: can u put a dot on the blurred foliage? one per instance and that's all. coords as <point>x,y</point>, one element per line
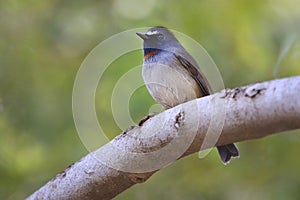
<point>43,43</point>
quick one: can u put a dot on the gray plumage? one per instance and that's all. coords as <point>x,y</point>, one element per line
<point>172,76</point>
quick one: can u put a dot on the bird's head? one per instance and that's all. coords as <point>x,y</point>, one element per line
<point>158,37</point>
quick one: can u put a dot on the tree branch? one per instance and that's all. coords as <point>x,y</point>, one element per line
<point>232,115</point>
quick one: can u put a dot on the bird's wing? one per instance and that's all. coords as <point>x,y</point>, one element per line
<point>196,74</point>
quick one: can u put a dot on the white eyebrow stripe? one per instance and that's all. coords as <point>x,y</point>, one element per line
<point>152,32</point>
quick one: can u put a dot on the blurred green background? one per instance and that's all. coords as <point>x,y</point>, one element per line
<point>43,43</point>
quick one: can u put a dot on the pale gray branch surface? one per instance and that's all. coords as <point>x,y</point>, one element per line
<point>244,113</point>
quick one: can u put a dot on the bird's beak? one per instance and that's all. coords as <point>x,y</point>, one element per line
<point>143,36</point>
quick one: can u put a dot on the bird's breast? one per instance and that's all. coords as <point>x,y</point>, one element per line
<point>169,83</point>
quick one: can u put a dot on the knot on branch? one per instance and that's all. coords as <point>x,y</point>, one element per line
<point>251,91</point>
<point>138,178</point>
<point>179,118</point>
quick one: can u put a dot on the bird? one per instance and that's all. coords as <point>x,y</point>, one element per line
<point>172,76</point>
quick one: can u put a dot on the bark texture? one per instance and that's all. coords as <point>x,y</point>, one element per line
<point>232,115</point>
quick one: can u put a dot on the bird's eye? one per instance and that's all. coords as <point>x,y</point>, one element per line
<point>160,36</point>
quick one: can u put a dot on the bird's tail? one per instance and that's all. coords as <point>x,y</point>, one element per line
<point>228,151</point>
